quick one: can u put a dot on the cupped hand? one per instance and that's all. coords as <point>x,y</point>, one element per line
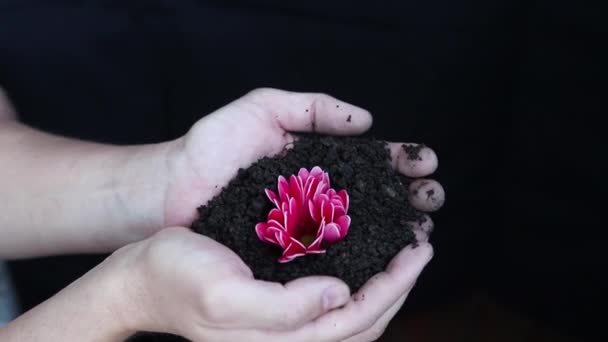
<point>186,284</point>
<point>261,124</point>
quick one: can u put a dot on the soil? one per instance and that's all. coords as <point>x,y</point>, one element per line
<point>413,151</point>
<point>379,210</point>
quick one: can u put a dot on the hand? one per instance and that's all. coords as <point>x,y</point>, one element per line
<point>258,125</point>
<point>261,124</point>
<point>187,284</point>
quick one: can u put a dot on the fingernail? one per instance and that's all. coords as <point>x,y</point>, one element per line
<point>335,297</point>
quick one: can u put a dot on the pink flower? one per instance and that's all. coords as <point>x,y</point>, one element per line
<point>308,215</point>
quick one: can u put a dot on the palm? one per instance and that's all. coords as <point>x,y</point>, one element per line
<point>214,149</point>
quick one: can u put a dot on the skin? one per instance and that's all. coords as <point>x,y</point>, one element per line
<point>103,198</point>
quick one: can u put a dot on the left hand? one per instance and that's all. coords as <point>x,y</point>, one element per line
<point>261,124</point>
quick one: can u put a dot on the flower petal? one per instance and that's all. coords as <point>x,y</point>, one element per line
<point>316,244</point>
<point>283,189</point>
<point>344,223</point>
<point>345,199</point>
<point>338,211</point>
<point>295,188</point>
<point>293,250</point>
<point>282,238</point>
<point>332,233</point>
<point>276,224</point>
<point>317,172</point>
<point>318,251</point>
<point>291,217</point>
<point>289,258</point>
<point>303,174</point>
<point>327,211</point>
<point>271,235</point>
<point>275,214</point>
<point>321,189</point>
<point>319,199</point>
<point>314,212</point>
<point>260,230</point>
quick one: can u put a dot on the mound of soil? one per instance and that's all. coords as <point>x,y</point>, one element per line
<point>379,210</point>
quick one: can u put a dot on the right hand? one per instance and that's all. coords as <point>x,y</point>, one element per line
<point>186,284</point>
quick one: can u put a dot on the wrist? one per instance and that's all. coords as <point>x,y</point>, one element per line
<point>140,188</point>
<point>96,307</point>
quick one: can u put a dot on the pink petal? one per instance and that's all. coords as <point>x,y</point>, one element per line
<point>303,175</point>
<point>293,250</point>
<point>318,251</point>
<point>316,244</point>
<point>298,245</point>
<point>317,173</point>
<point>275,214</point>
<point>273,235</point>
<point>291,217</point>
<point>283,189</point>
<point>282,238</point>
<point>310,188</point>
<point>276,224</point>
<point>314,212</point>
<point>321,189</point>
<point>273,230</point>
<point>344,196</point>
<point>295,188</point>
<point>320,199</point>
<point>332,233</point>
<point>338,211</point>
<point>289,258</point>
<point>260,229</point>
<point>344,223</point>
<point>328,209</point>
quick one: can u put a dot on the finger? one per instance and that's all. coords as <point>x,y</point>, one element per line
<point>373,299</point>
<point>377,330</point>
<point>312,112</point>
<point>423,228</point>
<point>413,160</point>
<point>426,195</point>
<point>273,306</point>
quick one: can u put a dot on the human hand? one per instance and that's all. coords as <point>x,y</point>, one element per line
<point>187,284</point>
<point>258,125</point>
<point>261,124</point>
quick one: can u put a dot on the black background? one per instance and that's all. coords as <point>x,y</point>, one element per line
<point>509,93</point>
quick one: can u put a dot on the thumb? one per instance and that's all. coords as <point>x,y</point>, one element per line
<point>311,112</point>
<point>273,306</point>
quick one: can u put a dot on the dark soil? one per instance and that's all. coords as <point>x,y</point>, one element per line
<point>378,207</point>
<point>379,210</point>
